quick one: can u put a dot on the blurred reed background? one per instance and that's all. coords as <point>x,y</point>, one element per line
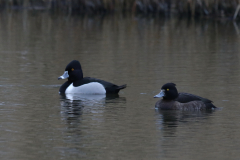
<point>193,8</point>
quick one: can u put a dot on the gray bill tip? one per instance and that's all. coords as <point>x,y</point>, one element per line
<point>157,96</point>
<point>64,76</point>
<point>161,94</point>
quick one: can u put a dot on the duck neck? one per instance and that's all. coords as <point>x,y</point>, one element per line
<point>167,100</point>
<point>171,97</point>
<point>76,75</point>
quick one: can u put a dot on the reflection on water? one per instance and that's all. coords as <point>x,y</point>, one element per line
<point>73,104</point>
<point>169,120</point>
<point>84,114</point>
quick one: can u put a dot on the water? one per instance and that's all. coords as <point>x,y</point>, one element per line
<point>201,57</point>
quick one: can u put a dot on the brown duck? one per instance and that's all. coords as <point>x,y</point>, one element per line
<point>172,100</point>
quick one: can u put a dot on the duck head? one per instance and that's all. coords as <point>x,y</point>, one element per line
<point>73,71</point>
<point>168,92</point>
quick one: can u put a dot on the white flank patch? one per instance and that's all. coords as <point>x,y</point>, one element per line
<point>90,88</point>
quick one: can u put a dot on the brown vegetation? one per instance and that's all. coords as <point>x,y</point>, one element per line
<point>213,8</point>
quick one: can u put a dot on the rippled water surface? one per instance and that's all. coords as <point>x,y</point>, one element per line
<point>201,57</point>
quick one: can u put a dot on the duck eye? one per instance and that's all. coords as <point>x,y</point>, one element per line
<point>167,89</point>
<point>72,69</point>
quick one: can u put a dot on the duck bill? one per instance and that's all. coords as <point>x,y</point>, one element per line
<point>161,94</point>
<point>64,76</point>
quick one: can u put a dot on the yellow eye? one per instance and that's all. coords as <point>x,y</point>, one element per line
<point>72,69</point>
<point>167,89</point>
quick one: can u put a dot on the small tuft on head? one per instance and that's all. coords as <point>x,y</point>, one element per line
<point>172,84</point>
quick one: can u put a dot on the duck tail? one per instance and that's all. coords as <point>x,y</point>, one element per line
<point>210,106</point>
<point>122,86</point>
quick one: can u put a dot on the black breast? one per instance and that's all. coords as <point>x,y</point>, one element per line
<point>64,87</point>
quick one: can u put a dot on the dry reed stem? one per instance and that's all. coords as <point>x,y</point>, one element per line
<point>224,8</point>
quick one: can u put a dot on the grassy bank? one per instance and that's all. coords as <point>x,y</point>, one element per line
<point>194,8</point>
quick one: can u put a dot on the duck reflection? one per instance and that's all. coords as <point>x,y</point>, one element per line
<point>73,105</point>
<point>169,120</point>
<point>85,117</point>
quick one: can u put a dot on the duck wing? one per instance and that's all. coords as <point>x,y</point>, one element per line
<point>110,87</point>
<point>187,97</point>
